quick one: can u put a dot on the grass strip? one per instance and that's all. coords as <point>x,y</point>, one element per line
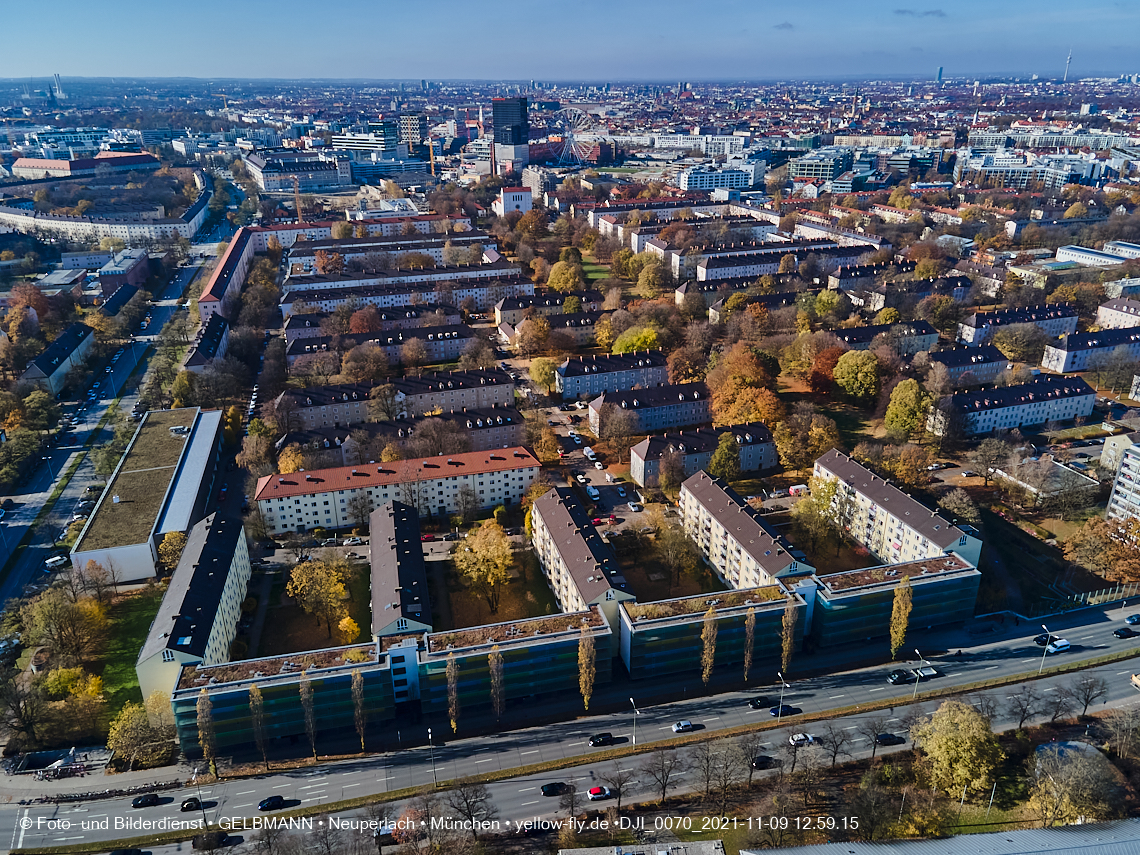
<point>600,756</point>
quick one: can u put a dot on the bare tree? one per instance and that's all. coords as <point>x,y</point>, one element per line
<point>810,775</point>
<point>726,771</point>
<point>1123,725</point>
<point>702,760</point>
<point>748,748</point>
<point>1024,704</point>
<point>618,780</point>
<point>1058,704</point>
<point>661,768</point>
<point>836,741</point>
<point>870,728</point>
<point>984,704</point>
<point>570,801</point>
<point>1087,690</point>
<point>472,800</point>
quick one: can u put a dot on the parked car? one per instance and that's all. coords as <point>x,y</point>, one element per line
<point>926,672</point>
<point>683,726</point>
<point>332,541</point>
<point>634,507</point>
<point>427,537</point>
<point>621,492</point>
<point>889,739</point>
<point>353,541</point>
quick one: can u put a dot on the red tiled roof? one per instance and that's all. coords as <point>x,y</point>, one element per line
<point>396,472</point>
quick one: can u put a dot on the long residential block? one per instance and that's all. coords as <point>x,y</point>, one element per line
<point>1054,319</point>
<point>907,339</point>
<point>971,366</point>
<point>1043,399</point>
<point>1120,313</point>
<point>441,344</point>
<point>671,406</point>
<point>1079,351</point>
<point>589,376</point>
<point>694,448</point>
<point>401,602</point>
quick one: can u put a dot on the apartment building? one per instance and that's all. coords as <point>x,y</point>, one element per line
<point>512,199</point>
<point>971,366</point>
<point>1117,314</point>
<point>441,344</point>
<point>69,350</point>
<point>128,267</point>
<point>1054,320</point>
<point>670,406</point>
<point>1043,399</point>
<point>864,275</point>
<point>895,527</point>
<point>576,328</point>
<point>590,376</point>
<point>477,388</point>
<point>323,498</point>
<point>902,293</point>
<point>771,302</point>
<point>907,339</point>
<point>511,310</point>
<point>579,565</point>
<point>1079,351</point>
<point>388,289</point>
<point>401,601</point>
<point>373,250</point>
<point>1124,503</point>
<point>757,450</point>
<point>209,345</point>
<point>743,549</point>
<point>763,262</point>
<point>198,617</point>
<point>308,325</point>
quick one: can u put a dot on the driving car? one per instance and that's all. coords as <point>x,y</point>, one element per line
<point>898,676</point>
<point>126,852</point>
<point>1125,632</point>
<point>889,739</point>
<point>763,762</point>
<point>1060,645</point>
<point>145,800</point>
<point>759,703</point>
<point>1043,639</point>
<point>925,672</point>
<point>191,803</point>
<point>783,710</point>
<point>555,789</point>
<point>683,726</point>
<point>596,794</point>
<point>801,740</point>
<point>601,739</point>
<point>1132,620</point>
<point>271,803</point>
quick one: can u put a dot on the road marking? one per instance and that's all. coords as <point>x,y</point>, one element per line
<point>880,689</point>
<point>992,667</point>
<point>955,675</point>
<point>834,697</point>
<point>235,807</point>
<point>527,789</point>
<point>306,787</point>
<point>1120,673</point>
<point>534,751</point>
<point>893,719</point>
<point>711,718</point>
<point>61,839</point>
<point>666,727</point>
<point>1083,637</point>
<point>281,786</point>
<point>524,804</point>
<point>576,744</point>
<point>317,799</point>
<point>349,786</point>
<point>488,760</point>
<point>852,727</point>
<point>245,792</point>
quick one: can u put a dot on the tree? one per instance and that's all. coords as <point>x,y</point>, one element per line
<point>452,674</point>
<point>960,747</point>
<point>653,277</point>
<point>347,630</point>
<point>661,768</point>
<point>990,454</point>
<point>382,403</point>
<point>725,461</point>
<point>413,353</point>
<point>670,470</point>
<point>804,437</point>
<point>1086,690</point>
<point>532,335</point>
<point>859,374</point>
<point>1068,786</point>
<point>133,737</point>
<point>257,719</point>
<point>675,550</point>
<point>749,643</point>
<point>587,665</point>
<point>74,629</point>
<point>170,550</point>
<point>708,644</point>
<point>290,460</point>
<point>542,373</point>
<point>485,560</point>
<point>471,800</point>
<point>318,587</point>
<point>1021,342</point>
<point>305,688</point>
<point>365,363</point>
<point>571,305</point>
<point>565,276</point>
<point>478,353</point>
<point>636,339</point>
<point>908,408</point>
<point>814,524</point>
<point>788,634</point>
<point>836,741</point>
<point>1024,704</point>
<point>887,317</point>
<point>495,668</point>
<point>207,741</point>
<point>618,780</point>
<point>961,506</point>
<point>1076,211</point>
<point>900,615</point>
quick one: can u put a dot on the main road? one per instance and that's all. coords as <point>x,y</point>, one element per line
<point>519,798</point>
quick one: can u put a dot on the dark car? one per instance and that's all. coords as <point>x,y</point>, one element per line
<point>126,852</point>
<point>555,789</point>
<point>601,739</point>
<point>759,703</point>
<point>889,739</point>
<point>786,709</point>
<point>763,762</point>
<point>210,840</point>
<point>1043,639</point>
<point>899,676</point>
<point>1125,632</point>
<point>145,800</point>
<point>271,803</point>
<point>191,803</point>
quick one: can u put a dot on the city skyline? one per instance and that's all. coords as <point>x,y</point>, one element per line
<point>764,42</point>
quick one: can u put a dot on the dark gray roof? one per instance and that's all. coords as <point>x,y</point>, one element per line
<point>349,291</point>
<point>392,313</point>
<point>701,440</point>
<point>443,380</point>
<point>210,340</point>
<point>606,363</point>
<point>383,338</point>
<point>186,614</point>
<point>1122,304</point>
<point>60,349</point>
<point>864,335</point>
<point>482,418</point>
<point>1024,315</point>
<point>930,524</point>
<point>574,319</point>
<point>589,559</point>
<point>1096,340</point>
<point>955,357</point>
<point>524,301</point>
<point>399,579</point>
<point>657,396</point>
<point>762,543</point>
<point>1044,387</point>
<point>322,396</point>
<point>116,301</point>
<point>387,243</point>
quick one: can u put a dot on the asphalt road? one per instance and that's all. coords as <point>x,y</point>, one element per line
<point>519,798</point>
<point>30,499</point>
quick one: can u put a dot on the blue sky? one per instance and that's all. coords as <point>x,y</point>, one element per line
<point>573,40</point>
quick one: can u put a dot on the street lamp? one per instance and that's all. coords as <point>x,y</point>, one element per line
<point>917,674</point>
<point>431,749</point>
<point>52,471</point>
<point>780,709</point>
<point>201,805</point>
<point>634,703</point>
<point>1044,650</point>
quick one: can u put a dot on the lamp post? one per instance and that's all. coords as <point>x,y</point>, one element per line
<point>52,471</point>
<point>634,703</point>
<point>917,674</point>
<point>431,749</point>
<point>780,709</point>
<point>1044,650</point>
<point>201,805</point>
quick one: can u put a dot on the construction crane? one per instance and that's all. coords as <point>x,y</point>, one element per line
<point>225,101</point>
<point>431,154</point>
<point>297,199</point>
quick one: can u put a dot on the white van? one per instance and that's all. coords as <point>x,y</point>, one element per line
<point>55,563</point>
<point>589,452</point>
<point>1058,646</point>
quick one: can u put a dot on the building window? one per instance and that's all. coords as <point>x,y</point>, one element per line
<point>168,656</point>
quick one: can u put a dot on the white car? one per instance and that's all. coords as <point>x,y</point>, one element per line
<point>599,465</point>
<point>683,726</point>
<point>597,794</point>
<point>634,507</point>
<point>801,740</point>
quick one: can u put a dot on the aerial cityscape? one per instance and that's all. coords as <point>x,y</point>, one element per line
<point>717,440</point>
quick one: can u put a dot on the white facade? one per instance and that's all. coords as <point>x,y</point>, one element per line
<point>1124,503</point>
<point>1044,399</point>
<point>1077,352</point>
<point>1118,314</point>
<point>512,199</point>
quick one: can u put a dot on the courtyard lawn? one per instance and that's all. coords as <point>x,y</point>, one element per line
<point>855,425</point>
<point>130,617</point>
<point>289,629</point>
<point>594,270</point>
<point>521,598</point>
<point>649,581</point>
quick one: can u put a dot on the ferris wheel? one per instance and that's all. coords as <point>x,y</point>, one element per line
<point>573,124</point>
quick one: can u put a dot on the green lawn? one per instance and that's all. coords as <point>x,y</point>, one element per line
<point>593,270</point>
<point>130,619</point>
